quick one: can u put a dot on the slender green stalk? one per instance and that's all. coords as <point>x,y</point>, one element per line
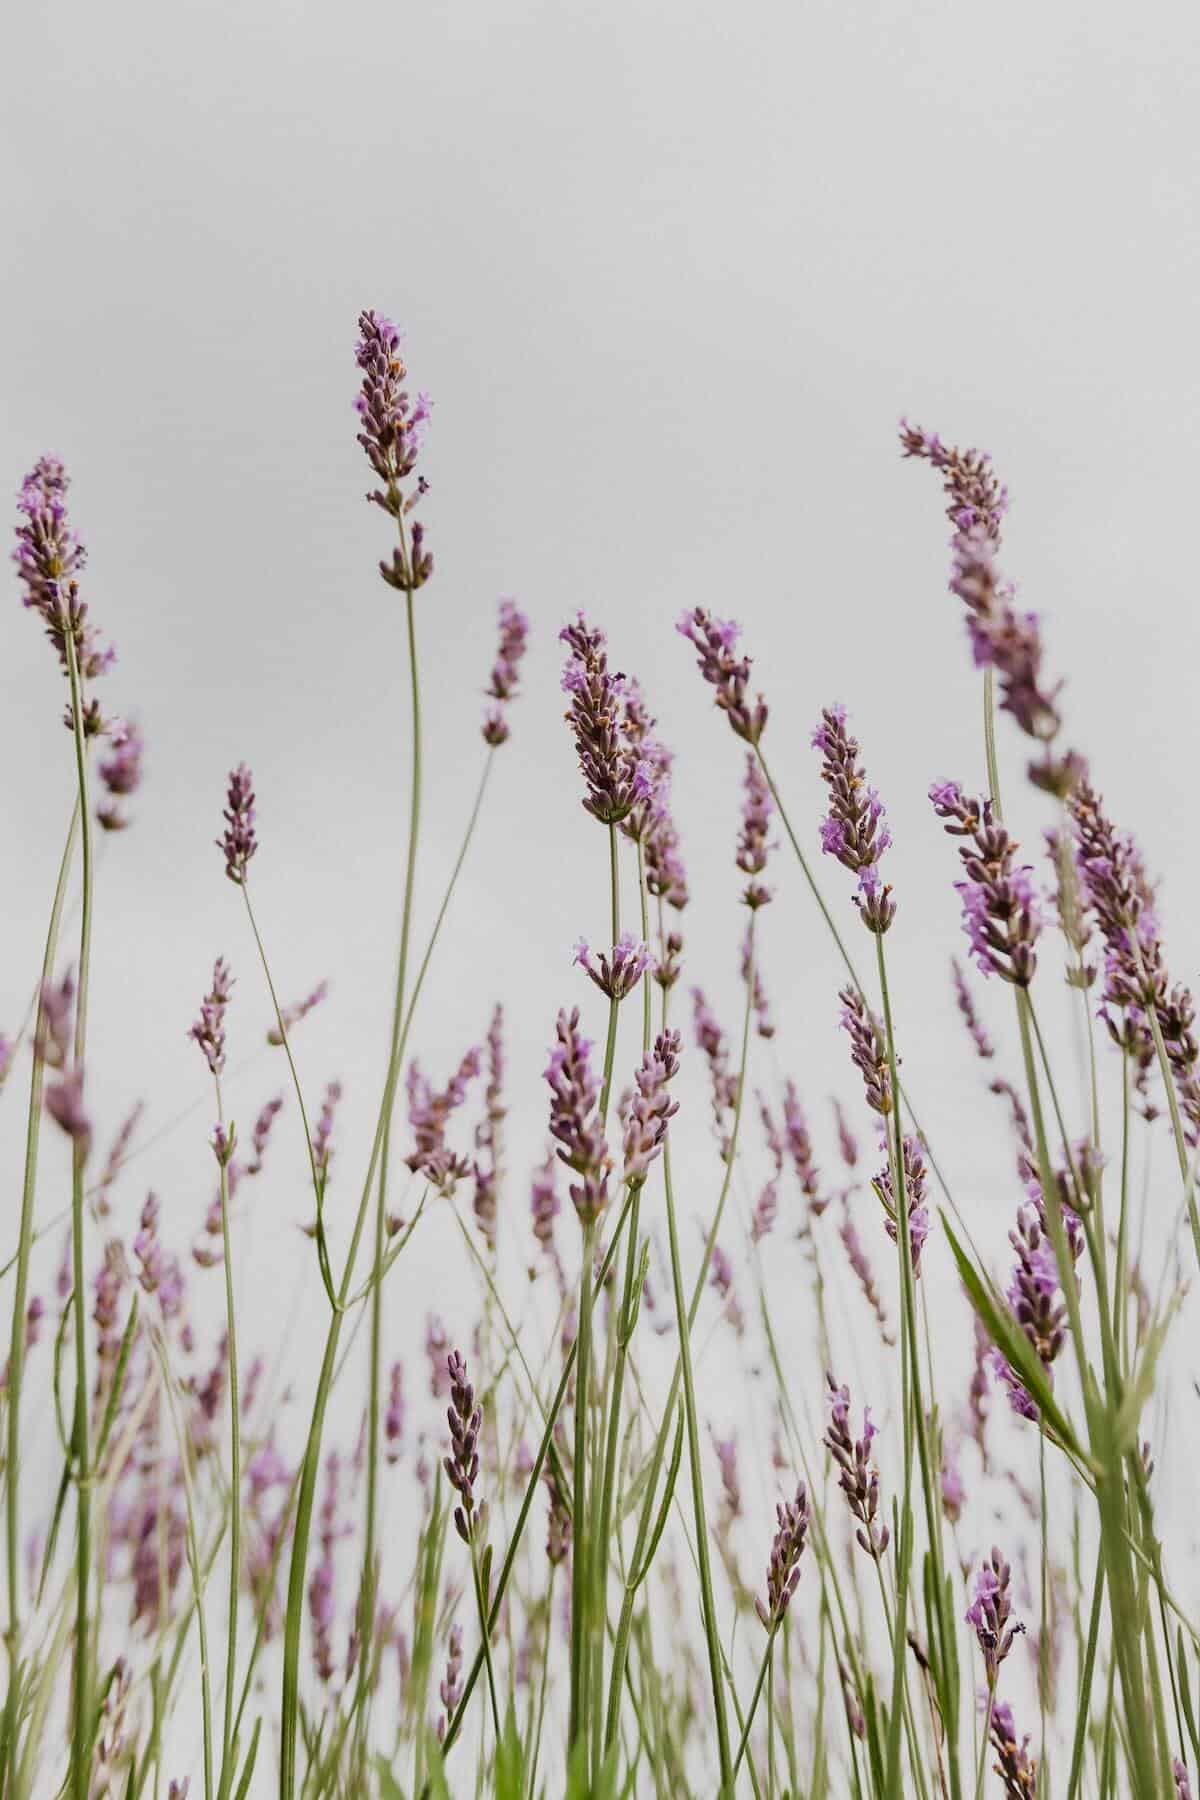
<point>577,1729</point>
<point>16,1355</point>
<point>81,1733</point>
<point>763,1669</point>
<point>228,1768</point>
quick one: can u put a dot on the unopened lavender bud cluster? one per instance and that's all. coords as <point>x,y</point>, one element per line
<point>715,641</point>
<point>464,1418</point>
<point>855,828</point>
<point>868,1050</point>
<point>1015,1766</point>
<point>393,430</point>
<point>783,1570</point>
<point>652,1108</point>
<point>1002,915</point>
<point>914,1194</point>
<point>575,1117</point>
<point>505,678</point>
<point>752,844</point>
<point>1035,1294</point>
<point>209,1029</point>
<point>239,841</point>
<point>859,1478</point>
<point>120,771</point>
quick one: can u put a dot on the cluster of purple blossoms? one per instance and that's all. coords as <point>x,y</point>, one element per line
<point>505,677</point>
<point>291,1016</point>
<point>764,1024</point>
<point>725,1450</point>
<point>462,1465</point>
<point>239,841</point>
<point>321,1606</point>
<point>617,972</point>
<point>757,808</point>
<point>859,1478</point>
<point>716,643</point>
<point>711,1041</point>
<point>261,1133</point>
<point>965,1001</point>
<point>855,828</point>
<point>209,1029</point>
<point>56,1010</point>
<point>322,1142</point>
<point>437,1350</point>
<point>800,1148</point>
<point>49,558</point>
<point>1002,915</point>
<point>544,1207</point>
<point>393,1418</point>
<point>766,1211</point>
<point>486,1166</point>
<point>868,1049</point>
<point>856,1256</point>
<point>120,771</point>
<point>652,825</point>
<point>450,1690</point>
<point>1015,1767</point>
<point>668,966</point>
<point>652,1107</point>
<point>393,430</point>
<point>721,1278</point>
<point>616,777</point>
<point>64,1102</point>
<point>1137,987</point>
<point>1035,1294</point>
<point>783,1569</point>
<point>1183,1785</point>
<point>954,1493</point>
<point>575,1118</point>
<point>429,1113</point>
<point>914,1195</point>
<point>34,1313</point>
<point>159,1272</point>
<point>990,1613</point>
<point>1001,638</point>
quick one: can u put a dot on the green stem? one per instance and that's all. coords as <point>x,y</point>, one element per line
<point>81,1736</point>
<point>754,1699</point>
<point>16,1356</point>
<point>228,1768</point>
<point>577,1731</point>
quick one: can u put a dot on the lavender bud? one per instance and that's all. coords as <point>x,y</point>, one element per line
<point>209,1029</point>
<point>620,970</point>
<point>752,845</point>
<point>989,1613</point>
<point>716,642</point>
<point>855,828</point>
<point>652,1108</point>
<point>783,1570</point>
<point>574,1117</point>
<point>239,842</point>
<point>859,1478</point>
<point>1002,915</point>
<point>462,1465</point>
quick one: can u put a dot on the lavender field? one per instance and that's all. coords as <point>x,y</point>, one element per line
<point>601,1179</point>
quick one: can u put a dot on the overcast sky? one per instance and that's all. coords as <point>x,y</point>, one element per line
<point>671,274</point>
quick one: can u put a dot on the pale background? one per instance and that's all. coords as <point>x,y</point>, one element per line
<point>670,274</point>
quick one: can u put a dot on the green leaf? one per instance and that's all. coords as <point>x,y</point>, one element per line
<point>509,1774</point>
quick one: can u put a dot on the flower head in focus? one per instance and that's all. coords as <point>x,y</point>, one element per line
<point>855,828</point>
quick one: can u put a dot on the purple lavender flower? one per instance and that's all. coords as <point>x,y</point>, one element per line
<point>545,1205</point>
<point>505,677</point>
<point>668,968</point>
<point>975,494</point>
<point>261,1134</point>
<point>619,971</point>
<point>1016,1768</point>
<point>321,1583</point>
<point>64,1103</point>
<point>49,558</point>
<point>731,1488</point>
<point>1002,915</point>
<point>462,1465</point>
<point>752,845</point>
<point>765,1025</point>
<point>209,1029</point>
<point>487,1133</point>
<point>575,1118</point>
<point>800,1149</point>
<point>120,771</point>
<point>654,829</point>
<point>856,1256</point>
<point>847,1142</point>
<point>292,1015</point>
<point>970,1017</point>
<point>393,1419</point>
<point>859,1478</point>
<point>716,642</point>
<point>615,776</point>
<point>989,1613</point>
<point>429,1113</point>
<point>1035,1294</point>
<point>914,1194</point>
<point>855,828</point>
<point>954,1494</point>
<point>239,842</point>
<point>711,1040</point>
<point>766,1211</point>
<point>783,1570</point>
<point>322,1141</point>
<point>652,1108</point>
<point>721,1278</point>
<point>1183,1785</point>
<point>868,1050</point>
<point>451,1688</point>
<point>393,430</point>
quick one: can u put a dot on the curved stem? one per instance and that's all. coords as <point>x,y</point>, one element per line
<point>16,1355</point>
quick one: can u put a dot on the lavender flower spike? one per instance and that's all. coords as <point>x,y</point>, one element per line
<point>783,1570</point>
<point>620,971</point>
<point>716,642</point>
<point>49,557</point>
<point>868,1051</point>
<point>504,682</point>
<point>574,1117</point>
<point>914,1195</point>
<point>239,842</point>
<point>990,1611</point>
<point>652,1108</point>
<point>462,1465</point>
<point>1016,1768</point>
<point>752,845</point>
<point>859,1478</point>
<point>393,430</point>
<point>1002,915</point>
<point>614,773</point>
<point>209,1029</point>
<point>120,771</point>
<point>855,827</point>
